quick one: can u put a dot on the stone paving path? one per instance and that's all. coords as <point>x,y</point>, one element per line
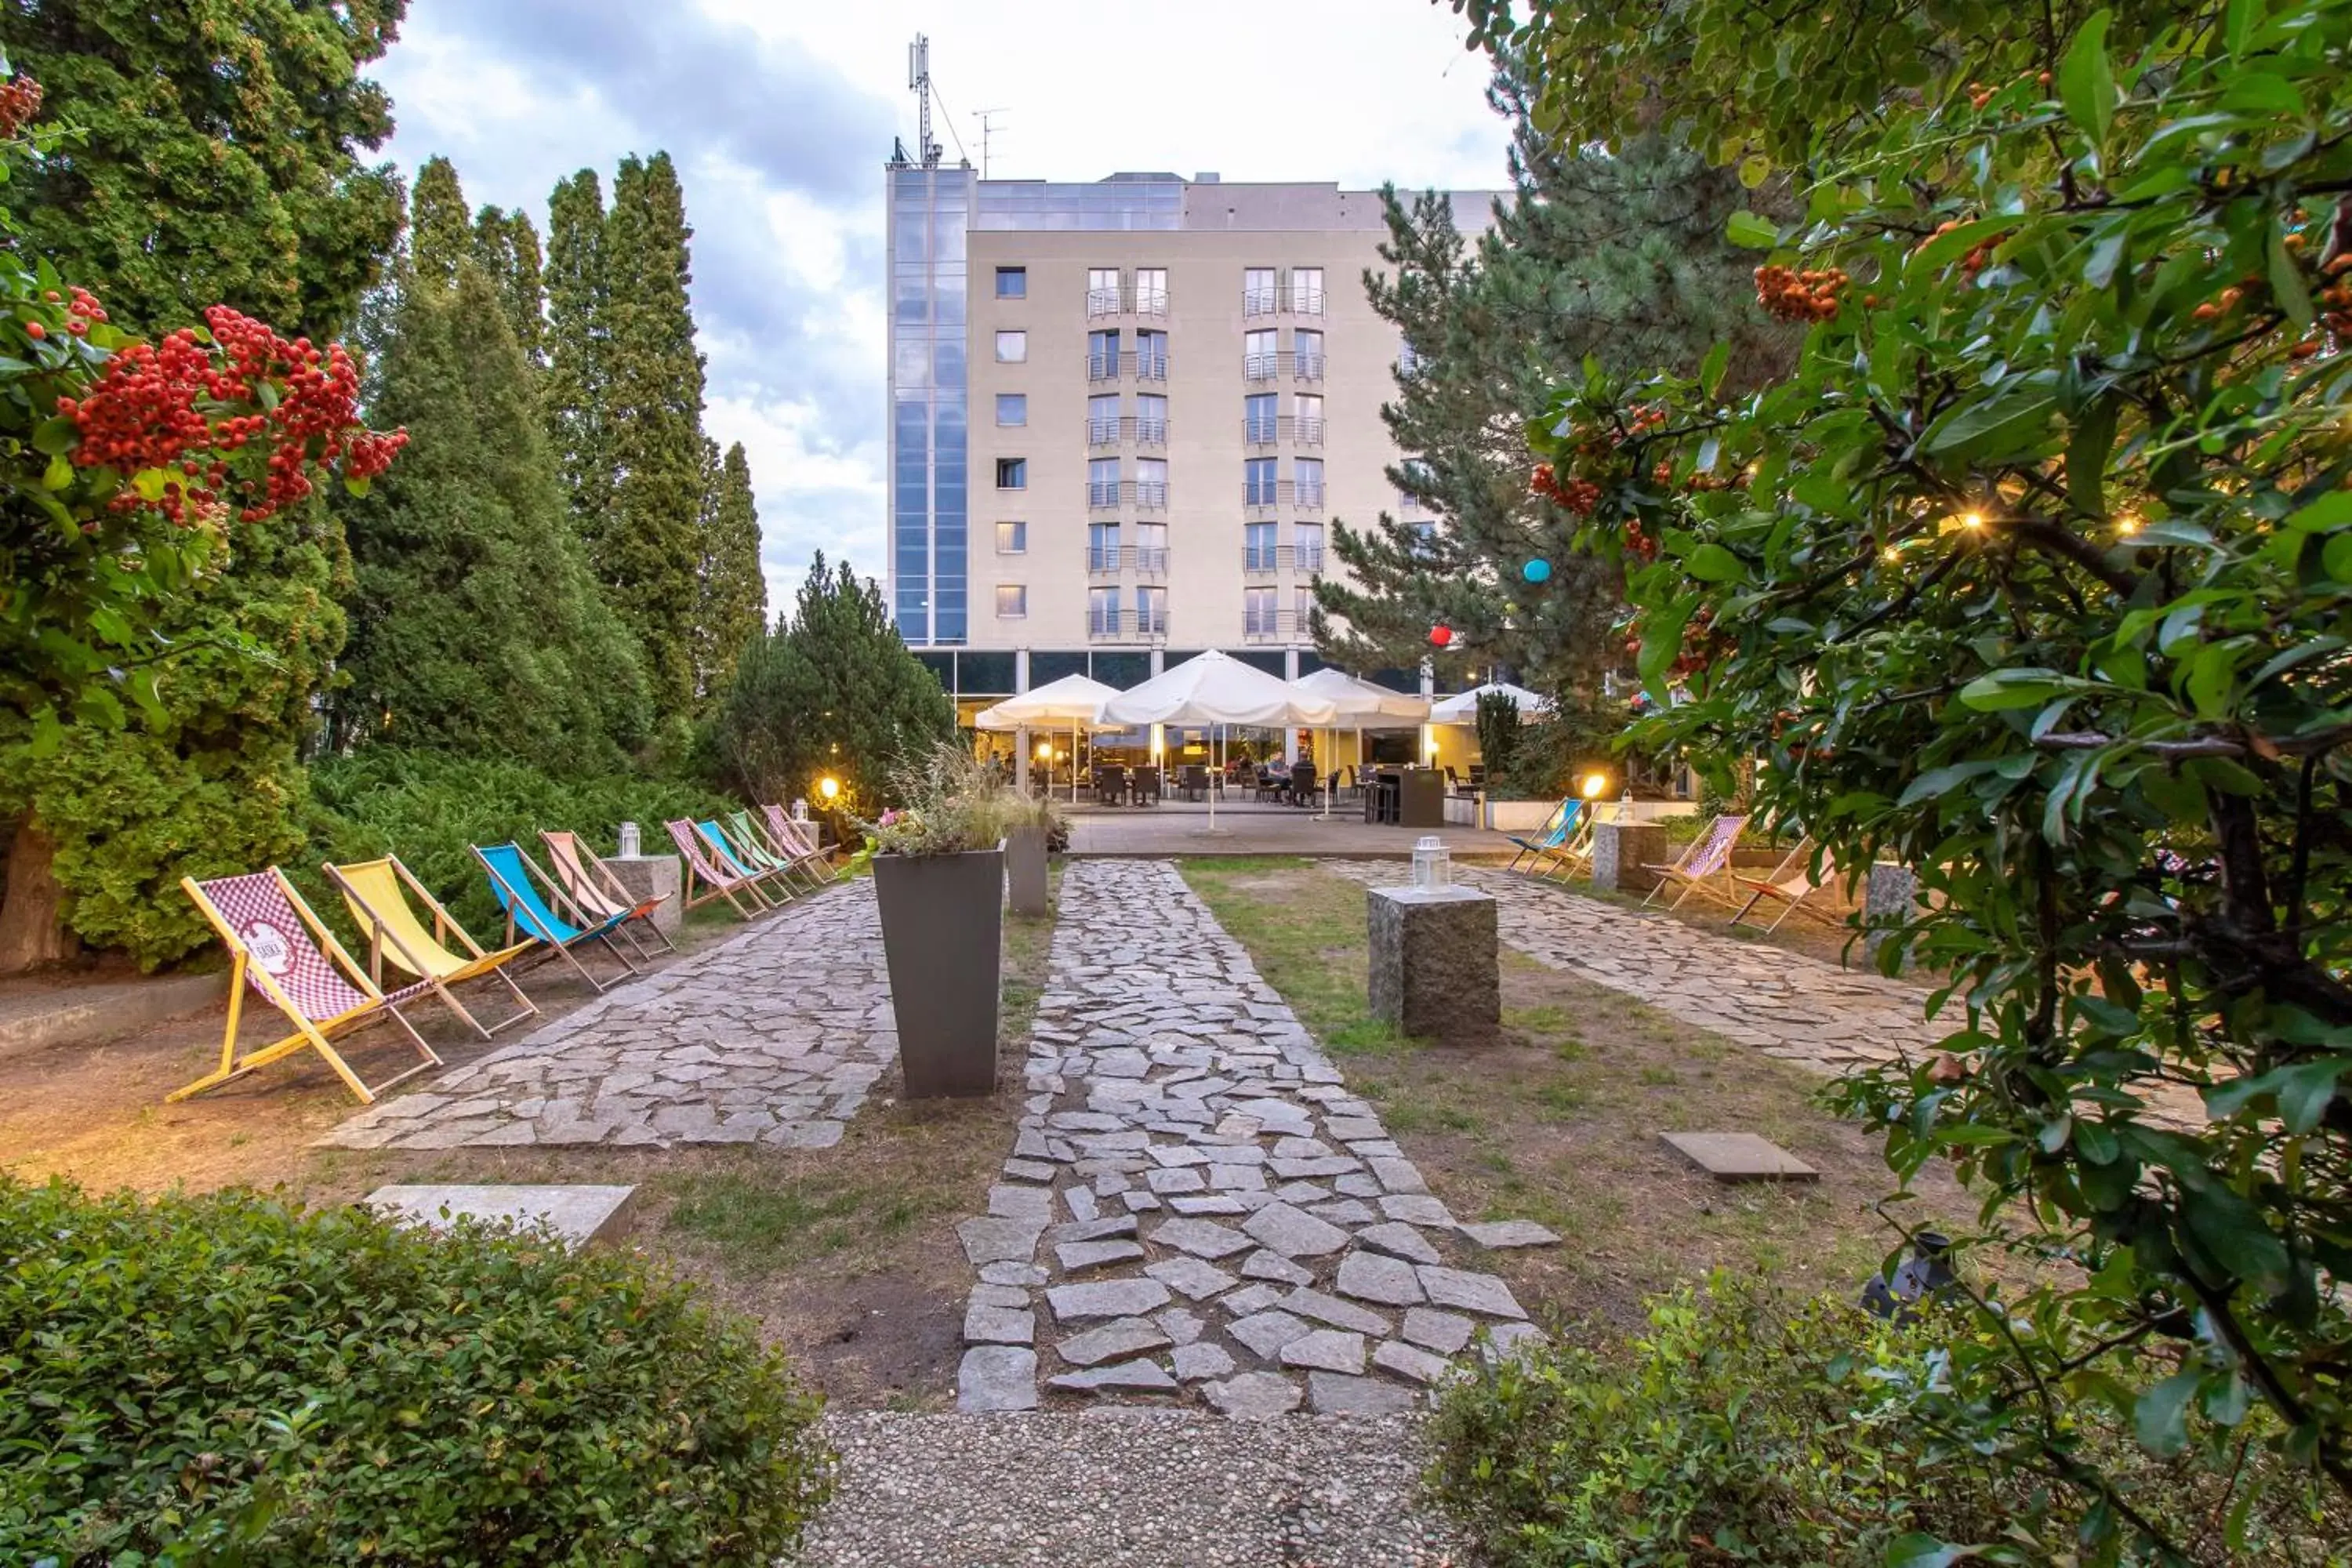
<point>774,1036</point>
<point>1196,1205</point>
<point>1784,1004</point>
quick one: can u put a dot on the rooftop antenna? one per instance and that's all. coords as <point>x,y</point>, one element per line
<point>987,130</point>
<point>919,79</point>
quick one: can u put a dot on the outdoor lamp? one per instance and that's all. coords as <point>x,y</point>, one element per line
<point>1044,751</point>
<point>1593,784</point>
<point>828,786</point>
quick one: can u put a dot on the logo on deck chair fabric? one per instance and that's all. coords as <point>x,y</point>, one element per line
<point>269,946</point>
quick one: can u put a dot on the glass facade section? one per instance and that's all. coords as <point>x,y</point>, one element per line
<point>1132,205</point>
<point>930,212</point>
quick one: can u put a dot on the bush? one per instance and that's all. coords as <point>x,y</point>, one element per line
<point>227,1379</point>
<point>427,807</point>
<point>1741,1429</point>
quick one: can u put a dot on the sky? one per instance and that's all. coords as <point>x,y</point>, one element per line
<point>780,115</point>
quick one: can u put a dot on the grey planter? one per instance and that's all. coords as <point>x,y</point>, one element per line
<point>943,937</point>
<point>1024,870</point>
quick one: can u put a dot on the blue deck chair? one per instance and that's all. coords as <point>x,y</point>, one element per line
<point>528,893</point>
<point>769,879</point>
<point>1559,841</point>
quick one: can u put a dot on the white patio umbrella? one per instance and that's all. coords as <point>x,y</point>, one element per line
<point>1464,709</point>
<point>1072,703</point>
<point>1362,705</point>
<point>1211,689</point>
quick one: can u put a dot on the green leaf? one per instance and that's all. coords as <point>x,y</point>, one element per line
<point>356,484</point>
<point>57,434</point>
<point>2286,279</point>
<point>1710,373</point>
<point>2212,674</point>
<point>149,483</point>
<point>2161,1416</point>
<point>1714,564</point>
<point>2333,509</point>
<point>2086,83</point>
<point>2261,92</point>
<point>2006,688</point>
<point>2335,560</point>
<point>59,474</point>
<point>2086,458</point>
<point>2304,1089</point>
<point>1998,426</point>
<point>1919,1550</point>
<point>1750,232</point>
<point>1940,781</point>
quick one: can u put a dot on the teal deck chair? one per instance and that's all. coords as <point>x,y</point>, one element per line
<point>525,892</point>
<point>1558,841</point>
<point>768,879</point>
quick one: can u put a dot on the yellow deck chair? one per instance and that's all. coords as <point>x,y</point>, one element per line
<point>278,946</point>
<point>377,892</point>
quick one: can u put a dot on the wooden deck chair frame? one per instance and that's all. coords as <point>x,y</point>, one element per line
<point>729,856</point>
<point>716,881</point>
<point>1556,830</point>
<point>800,838</point>
<point>754,851</point>
<point>309,1034</point>
<point>785,852</point>
<point>563,906</point>
<point>1795,868</point>
<point>598,881</point>
<point>485,963</point>
<point>1705,863</point>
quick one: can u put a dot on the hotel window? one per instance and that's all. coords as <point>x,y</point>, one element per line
<point>1102,611</point>
<point>1012,539</point>
<point>1012,409</point>
<point>1151,546</point>
<point>1102,356</point>
<point>1102,419</point>
<point>1151,356</point>
<point>1307,474</point>
<point>1151,291</point>
<point>1012,283</point>
<point>1259,617</point>
<point>1012,473</point>
<point>1151,611</point>
<point>1307,354</point>
<point>1102,547</point>
<point>1309,406</point>
<point>1102,290</point>
<point>1306,290</point>
<point>1257,291</point>
<point>1102,481</point>
<point>1258,423</point>
<point>1258,550</point>
<point>1259,360</point>
<point>1012,348</point>
<point>1011,601</point>
<point>1152,481</point>
<point>1307,546</point>
<point>1151,418</point>
<point>1302,604</point>
<point>1257,482</point>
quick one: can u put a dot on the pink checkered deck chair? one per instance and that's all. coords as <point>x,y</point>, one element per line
<point>283,950</point>
<point>1705,863</point>
<point>742,893</point>
<point>798,841</point>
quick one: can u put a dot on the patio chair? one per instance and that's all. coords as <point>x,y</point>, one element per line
<point>1144,785</point>
<point>1301,786</point>
<point>536,906</point>
<point>801,839</point>
<point>1196,781</point>
<point>278,946</point>
<point>718,881</point>
<point>1706,863</point>
<point>756,849</point>
<point>770,879</point>
<point>1790,886</point>
<point>1562,838</point>
<point>377,894</point>
<point>599,890</point>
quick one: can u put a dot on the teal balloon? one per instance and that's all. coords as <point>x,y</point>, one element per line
<point>1536,571</point>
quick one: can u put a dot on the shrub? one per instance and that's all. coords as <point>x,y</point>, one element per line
<point>228,1379</point>
<point>1739,1429</point>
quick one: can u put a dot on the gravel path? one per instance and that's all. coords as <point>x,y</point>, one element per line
<point>1129,1488</point>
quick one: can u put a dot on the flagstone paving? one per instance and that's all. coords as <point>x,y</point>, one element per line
<point>772,1037</point>
<point>1783,1004</point>
<point>1196,1207</point>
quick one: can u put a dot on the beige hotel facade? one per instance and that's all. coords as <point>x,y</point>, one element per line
<point>1122,416</point>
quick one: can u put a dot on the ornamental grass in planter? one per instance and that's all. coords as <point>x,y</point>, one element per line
<point>938,878</point>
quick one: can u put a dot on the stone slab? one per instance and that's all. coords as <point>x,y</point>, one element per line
<point>1740,1157</point>
<point>997,1377</point>
<point>576,1215</point>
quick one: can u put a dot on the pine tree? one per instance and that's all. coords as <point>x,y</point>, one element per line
<point>505,247</point>
<point>734,587</point>
<point>574,397</point>
<point>440,233</point>
<point>1621,259</point>
<point>648,555</point>
<point>475,625</point>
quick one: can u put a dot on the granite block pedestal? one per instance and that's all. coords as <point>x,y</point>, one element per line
<point>650,877</point>
<point>1620,850</point>
<point>1434,966</point>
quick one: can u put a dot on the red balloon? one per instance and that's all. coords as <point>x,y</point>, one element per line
<point>1439,635</point>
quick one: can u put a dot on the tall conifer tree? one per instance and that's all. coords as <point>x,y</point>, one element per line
<point>574,397</point>
<point>734,589</point>
<point>648,556</point>
<point>439,232</point>
<point>506,247</point>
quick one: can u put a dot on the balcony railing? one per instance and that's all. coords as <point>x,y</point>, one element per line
<point>1143,560</point>
<point>1150,367</point>
<point>1104,366</point>
<point>1261,366</point>
<point>1151,493</point>
<point>1261,432</point>
<point>1102,302</point>
<point>1263,559</point>
<point>1306,302</point>
<point>1260,299</point>
<point>1102,492</point>
<point>1307,365</point>
<point>1309,429</point>
<point>1148,559</point>
<point>1144,431</point>
<point>1262,494</point>
<point>1307,494</point>
<point>1150,302</point>
<point>1103,432</point>
<point>1102,560</point>
<point>1150,432</point>
<point>1125,626</point>
<point>1141,301</point>
<point>1307,558</point>
<point>1260,625</point>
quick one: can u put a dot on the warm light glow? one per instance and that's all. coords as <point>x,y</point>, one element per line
<point>1972,520</point>
<point>1044,751</point>
<point>1595,784</point>
<point>2126,525</point>
<point>1428,741</point>
<point>1890,555</point>
<point>828,786</point>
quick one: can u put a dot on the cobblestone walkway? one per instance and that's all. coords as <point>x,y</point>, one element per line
<point>774,1036</point>
<point>1196,1204</point>
<point>1783,1004</point>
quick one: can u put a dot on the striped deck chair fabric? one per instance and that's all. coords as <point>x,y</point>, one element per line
<point>802,839</point>
<point>1789,887</point>
<point>598,892</point>
<point>718,881</point>
<point>282,949</point>
<point>377,893</point>
<point>1706,863</point>
<point>784,859</point>
<point>769,879</point>
<point>522,890</point>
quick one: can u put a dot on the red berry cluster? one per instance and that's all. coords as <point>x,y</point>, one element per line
<point>20,104</point>
<point>1807,296</point>
<point>144,413</point>
<point>1579,495</point>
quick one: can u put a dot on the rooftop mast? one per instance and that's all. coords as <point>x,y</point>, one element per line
<point>919,79</point>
